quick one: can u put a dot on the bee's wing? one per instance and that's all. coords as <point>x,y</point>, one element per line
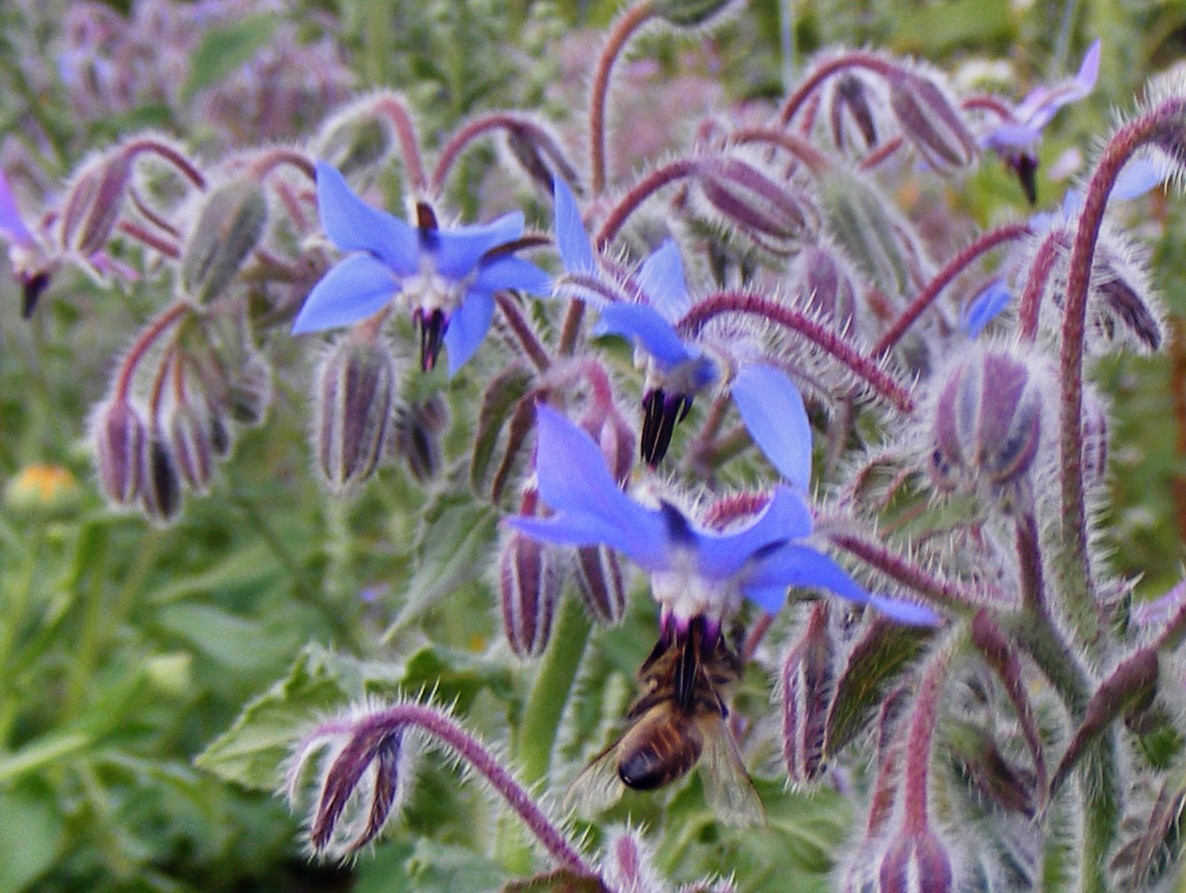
<point>727,786</point>
<point>598,786</point>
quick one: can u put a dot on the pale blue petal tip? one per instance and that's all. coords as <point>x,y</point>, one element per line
<point>576,251</point>
<point>657,336</point>
<point>773,412</point>
<point>661,279</point>
<point>352,290</point>
<point>985,307</point>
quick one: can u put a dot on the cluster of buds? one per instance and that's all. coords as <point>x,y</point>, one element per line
<point>986,428</point>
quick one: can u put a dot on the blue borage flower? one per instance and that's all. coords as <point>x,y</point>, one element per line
<point>694,572</point>
<point>446,278</point>
<point>1014,139</point>
<point>680,366</point>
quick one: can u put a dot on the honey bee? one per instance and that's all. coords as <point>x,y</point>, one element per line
<point>677,721</point>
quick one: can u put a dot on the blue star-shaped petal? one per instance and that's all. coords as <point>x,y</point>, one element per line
<point>768,401</point>
<point>447,278</point>
<point>694,572</point>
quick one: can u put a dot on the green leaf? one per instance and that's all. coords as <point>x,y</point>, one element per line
<point>231,641</point>
<point>224,50</point>
<point>880,656</point>
<point>456,677</point>
<point>252,750</point>
<point>456,550</point>
<point>31,837</point>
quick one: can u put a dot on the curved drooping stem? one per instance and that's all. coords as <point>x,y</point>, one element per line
<point>962,260</point>
<point>625,28</point>
<point>1166,125</point>
<point>878,380</point>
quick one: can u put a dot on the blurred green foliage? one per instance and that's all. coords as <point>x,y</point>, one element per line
<point>126,651</point>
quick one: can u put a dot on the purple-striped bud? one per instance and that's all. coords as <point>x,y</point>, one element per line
<point>931,121</point>
<point>850,114</point>
<point>828,284</point>
<point>230,225</point>
<point>353,142</point>
<point>364,779</point>
<point>120,440</point>
<point>1123,303</point>
<point>806,683</point>
<point>530,579</point>
<point>416,436</point>
<point>986,422</point>
<point>774,215</point>
<point>1095,438</point>
<point>600,582</point>
<point>612,432</point>
<point>355,396</point>
<point>160,492</point>
<point>188,436</point>
<point>916,862</point>
<point>92,203</point>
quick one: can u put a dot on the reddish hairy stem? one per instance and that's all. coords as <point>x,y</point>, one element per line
<point>1166,117</point>
<point>947,594</point>
<point>397,113</point>
<point>650,184</point>
<point>800,148</point>
<point>918,745</point>
<point>1030,305</point>
<point>773,311</point>
<point>273,158</point>
<point>155,242</point>
<point>170,154</point>
<point>523,331</point>
<point>127,370</point>
<point>471,752</point>
<point>633,19</point>
<point>963,259</point>
<point>854,59</point>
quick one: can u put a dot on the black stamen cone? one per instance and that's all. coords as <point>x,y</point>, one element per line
<point>660,414</point>
<point>432,334</point>
<point>32,287</point>
<point>1027,172</point>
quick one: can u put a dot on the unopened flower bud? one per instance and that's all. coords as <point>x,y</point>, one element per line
<point>612,432</point>
<point>188,436</point>
<point>160,493</point>
<point>987,423</point>
<point>120,437</point>
<point>775,215</point>
<point>931,121</point>
<point>864,223</point>
<point>353,142</point>
<point>1123,303</point>
<point>850,114</point>
<point>229,227</point>
<point>916,861</point>
<point>599,580</point>
<point>416,436</point>
<point>355,395</point>
<point>982,763</point>
<point>529,582</point>
<point>827,283</point>
<point>1095,439</point>
<point>91,206</point>
<point>249,390</point>
<point>806,683</point>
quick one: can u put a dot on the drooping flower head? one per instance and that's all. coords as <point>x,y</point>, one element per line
<point>683,366</point>
<point>695,572</point>
<point>446,278</point>
<point>25,252</point>
<point>1015,138</point>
